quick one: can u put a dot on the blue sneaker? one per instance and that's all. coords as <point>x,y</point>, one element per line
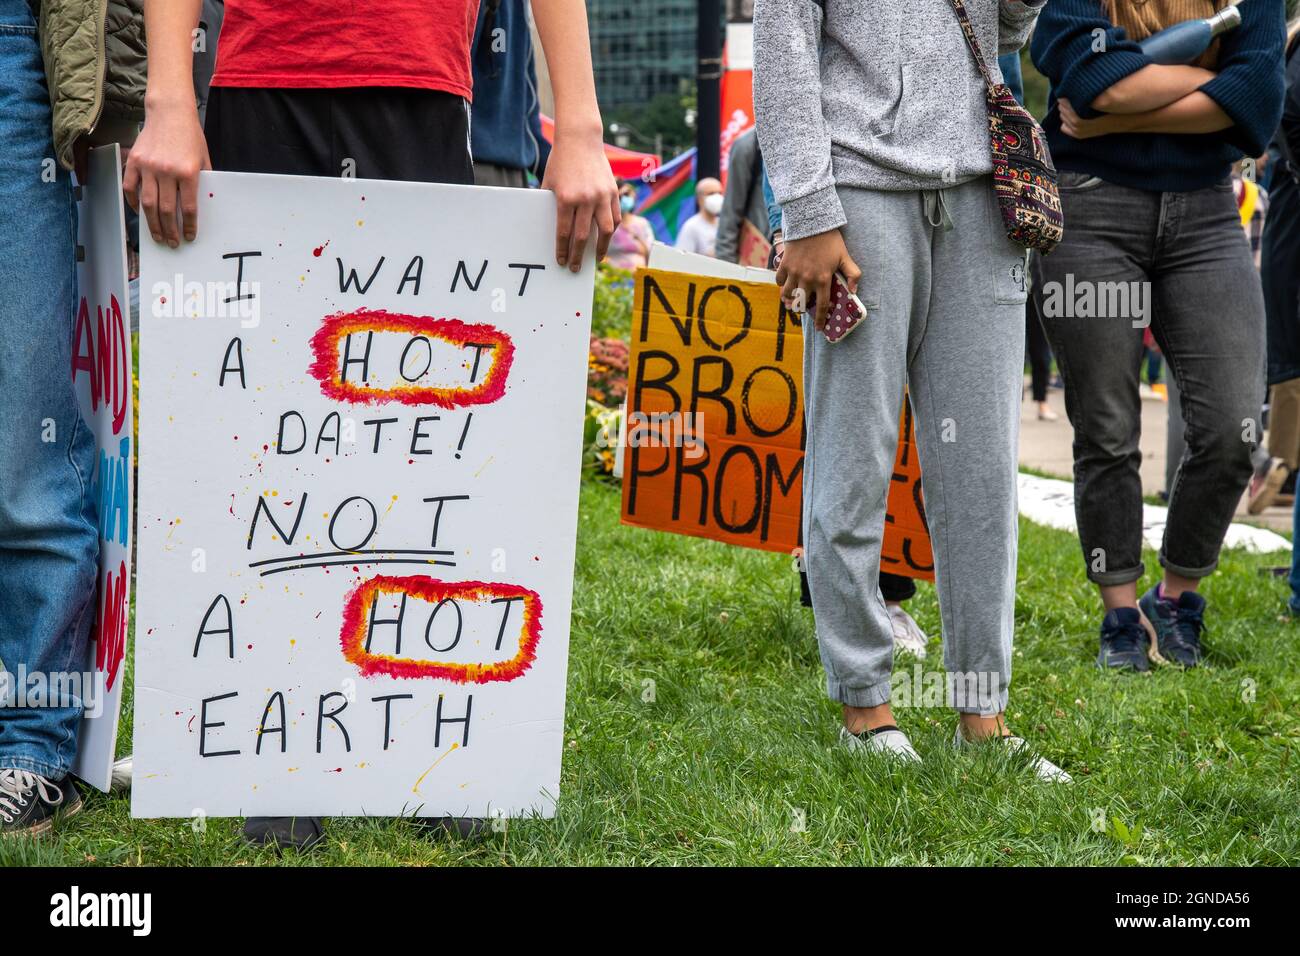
<point>1178,626</point>
<point>1124,641</point>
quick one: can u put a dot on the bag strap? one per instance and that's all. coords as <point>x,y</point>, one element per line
<point>968,30</point>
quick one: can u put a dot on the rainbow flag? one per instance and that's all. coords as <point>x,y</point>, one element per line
<point>666,196</point>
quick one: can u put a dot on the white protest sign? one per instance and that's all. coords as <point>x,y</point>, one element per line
<point>101,374</point>
<point>361,433</point>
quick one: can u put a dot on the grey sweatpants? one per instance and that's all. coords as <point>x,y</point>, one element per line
<point>946,318</point>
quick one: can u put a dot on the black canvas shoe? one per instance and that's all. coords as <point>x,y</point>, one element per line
<point>1124,641</point>
<point>29,803</point>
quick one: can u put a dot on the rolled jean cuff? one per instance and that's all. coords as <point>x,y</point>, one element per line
<point>871,696</point>
<point>1183,571</point>
<point>1112,578</point>
<point>49,771</point>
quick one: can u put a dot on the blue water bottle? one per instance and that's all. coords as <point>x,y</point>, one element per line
<point>1184,42</point>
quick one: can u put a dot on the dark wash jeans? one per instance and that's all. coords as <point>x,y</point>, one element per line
<point>1207,313</point>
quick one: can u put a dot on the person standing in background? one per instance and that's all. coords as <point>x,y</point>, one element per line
<point>506,129</point>
<point>1280,268</point>
<point>1012,76</point>
<point>699,233</point>
<point>630,247</point>
<point>743,200</point>
<point>775,221</point>
<point>1145,153</point>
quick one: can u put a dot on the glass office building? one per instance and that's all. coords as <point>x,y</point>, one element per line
<point>642,48</point>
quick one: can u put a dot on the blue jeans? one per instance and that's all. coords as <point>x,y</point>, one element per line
<point>49,542</point>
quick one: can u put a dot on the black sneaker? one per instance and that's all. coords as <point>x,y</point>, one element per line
<point>456,828</point>
<point>1178,626</point>
<point>1124,641</point>
<point>29,802</point>
<point>301,833</point>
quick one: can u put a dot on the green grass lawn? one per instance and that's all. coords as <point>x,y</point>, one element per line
<point>733,760</point>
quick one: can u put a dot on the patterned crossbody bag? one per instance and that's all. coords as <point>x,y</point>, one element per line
<point>1024,179</point>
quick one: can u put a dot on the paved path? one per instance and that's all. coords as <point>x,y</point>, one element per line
<point>1045,446</point>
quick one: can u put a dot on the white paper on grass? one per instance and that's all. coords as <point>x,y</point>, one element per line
<point>101,375</point>
<point>1050,502</point>
<point>210,452</point>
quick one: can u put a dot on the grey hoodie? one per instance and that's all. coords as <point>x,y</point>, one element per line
<point>880,94</point>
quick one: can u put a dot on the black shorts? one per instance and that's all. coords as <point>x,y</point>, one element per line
<point>360,132</point>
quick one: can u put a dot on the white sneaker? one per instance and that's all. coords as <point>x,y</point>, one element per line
<point>1043,768</point>
<point>122,769</point>
<point>886,740</point>
<point>908,636</point>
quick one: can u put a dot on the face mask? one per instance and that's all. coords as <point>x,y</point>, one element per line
<point>713,204</point>
<point>626,203</point>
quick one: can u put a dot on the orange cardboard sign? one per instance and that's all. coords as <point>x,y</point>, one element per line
<point>715,430</point>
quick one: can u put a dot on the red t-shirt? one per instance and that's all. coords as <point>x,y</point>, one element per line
<point>333,43</point>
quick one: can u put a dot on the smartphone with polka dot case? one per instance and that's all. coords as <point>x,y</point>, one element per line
<point>846,311</point>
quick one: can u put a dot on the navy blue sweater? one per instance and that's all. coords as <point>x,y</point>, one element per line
<point>1248,88</point>
<point>505,127</point>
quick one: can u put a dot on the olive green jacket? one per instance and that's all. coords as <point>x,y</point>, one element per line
<point>94,54</point>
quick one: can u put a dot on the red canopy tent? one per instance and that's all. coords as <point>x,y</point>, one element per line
<point>626,163</point>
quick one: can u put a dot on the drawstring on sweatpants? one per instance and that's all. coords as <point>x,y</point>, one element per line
<point>936,208</point>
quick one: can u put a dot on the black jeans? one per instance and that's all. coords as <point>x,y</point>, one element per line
<point>1186,257</point>
<point>1040,354</point>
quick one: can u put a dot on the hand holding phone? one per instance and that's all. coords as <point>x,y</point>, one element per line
<point>799,261</point>
<point>846,311</point>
